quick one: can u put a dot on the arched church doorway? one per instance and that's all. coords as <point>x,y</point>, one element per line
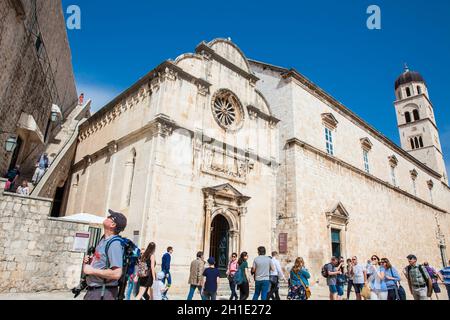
<point>219,244</point>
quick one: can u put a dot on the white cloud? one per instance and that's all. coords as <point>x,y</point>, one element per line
<point>99,94</point>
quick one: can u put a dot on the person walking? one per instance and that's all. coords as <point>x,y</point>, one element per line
<point>13,176</point>
<point>275,277</point>
<point>392,278</point>
<point>349,276</point>
<point>262,265</point>
<point>377,281</point>
<point>41,166</point>
<point>211,275</point>
<point>444,276</point>
<point>146,279</point>
<point>332,270</point>
<point>244,287</point>
<point>196,276</point>
<point>359,276</point>
<point>419,281</point>
<point>341,279</point>
<point>231,271</point>
<point>434,278</point>
<point>159,287</point>
<point>298,281</point>
<point>165,267</point>
<point>104,269</point>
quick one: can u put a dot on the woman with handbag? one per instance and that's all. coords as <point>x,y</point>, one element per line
<point>146,273</point>
<point>231,271</point>
<point>298,281</point>
<point>244,277</point>
<point>392,281</point>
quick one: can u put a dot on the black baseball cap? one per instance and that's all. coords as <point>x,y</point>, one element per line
<point>119,219</point>
<point>411,257</point>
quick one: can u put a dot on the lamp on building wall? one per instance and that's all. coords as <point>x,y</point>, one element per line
<point>55,112</point>
<point>10,144</point>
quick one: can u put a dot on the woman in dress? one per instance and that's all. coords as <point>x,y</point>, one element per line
<point>146,281</point>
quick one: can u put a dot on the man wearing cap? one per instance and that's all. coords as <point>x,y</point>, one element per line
<point>102,279</point>
<point>419,281</point>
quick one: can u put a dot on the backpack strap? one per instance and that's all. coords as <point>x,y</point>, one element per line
<point>423,274</point>
<point>108,245</point>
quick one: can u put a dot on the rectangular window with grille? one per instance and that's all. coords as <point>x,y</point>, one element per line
<point>393,178</point>
<point>336,242</point>
<point>329,141</point>
<point>366,161</point>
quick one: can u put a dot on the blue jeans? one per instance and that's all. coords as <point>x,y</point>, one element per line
<point>130,289</point>
<point>447,286</point>
<point>261,288</point>
<point>168,278</point>
<point>192,291</point>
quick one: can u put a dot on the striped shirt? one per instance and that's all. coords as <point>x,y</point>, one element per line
<point>446,275</point>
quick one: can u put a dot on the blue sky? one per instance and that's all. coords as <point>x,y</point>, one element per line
<point>327,41</point>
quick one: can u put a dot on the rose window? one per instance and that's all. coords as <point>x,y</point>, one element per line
<point>227,110</point>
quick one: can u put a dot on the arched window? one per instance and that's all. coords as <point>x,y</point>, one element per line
<point>412,143</point>
<point>419,90</point>
<point>420,142</point>
<point>408,92</point>
<point>407,117</point>
<point>416,115</point>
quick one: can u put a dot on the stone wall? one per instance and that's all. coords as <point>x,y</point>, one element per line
<point>35,249</point>
<point>23,85</point>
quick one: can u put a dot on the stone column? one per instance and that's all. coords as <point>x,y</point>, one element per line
<point>112,150</point>
<point>242,214</point>
<point>87,164</point>
<point>209,204</point>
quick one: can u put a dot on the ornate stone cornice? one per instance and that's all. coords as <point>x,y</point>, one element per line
<point>306,146</point>
<point>166,71</point>
<point>333,103</point>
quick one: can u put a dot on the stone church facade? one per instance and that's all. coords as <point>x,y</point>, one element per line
<point>219,153</point>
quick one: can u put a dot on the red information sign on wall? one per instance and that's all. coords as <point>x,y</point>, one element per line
<point>282,243</point>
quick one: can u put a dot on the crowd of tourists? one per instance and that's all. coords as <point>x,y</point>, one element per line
<point>108,272</point>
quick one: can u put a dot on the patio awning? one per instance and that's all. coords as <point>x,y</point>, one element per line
<point>85,218</point>
<point>28,125</point>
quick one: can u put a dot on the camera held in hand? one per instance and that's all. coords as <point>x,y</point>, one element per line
<point>83,283</point>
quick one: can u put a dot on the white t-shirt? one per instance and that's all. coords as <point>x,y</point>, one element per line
<point>358,271</point>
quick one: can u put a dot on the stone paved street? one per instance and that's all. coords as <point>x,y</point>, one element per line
<point>318,293</point>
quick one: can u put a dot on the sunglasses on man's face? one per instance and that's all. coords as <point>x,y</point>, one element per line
<point>374,259</point>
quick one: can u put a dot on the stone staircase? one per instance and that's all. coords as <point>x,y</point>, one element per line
<point>60,144</point>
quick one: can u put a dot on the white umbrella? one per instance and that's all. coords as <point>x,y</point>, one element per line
<point>85,218</point>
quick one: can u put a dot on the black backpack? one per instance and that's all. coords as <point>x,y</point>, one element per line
<point>131,254</point>
<point>324,270</point>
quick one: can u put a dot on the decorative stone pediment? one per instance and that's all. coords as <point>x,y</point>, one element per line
<point>338,215</point>
<point>393,161</point>
<point>225,191</point>
<point>366,144</point>
<point>329,120</point>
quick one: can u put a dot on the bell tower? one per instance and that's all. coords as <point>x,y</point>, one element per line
<point>417,126</point>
